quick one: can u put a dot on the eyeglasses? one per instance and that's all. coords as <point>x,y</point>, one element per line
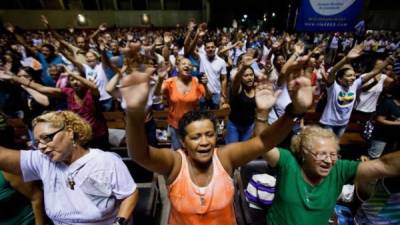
<point>46,138</point>
<point>321,156</point>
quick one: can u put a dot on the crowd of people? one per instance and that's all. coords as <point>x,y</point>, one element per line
<point>59,82</point>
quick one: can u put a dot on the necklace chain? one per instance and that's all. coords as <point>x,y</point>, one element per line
<point>70,178</point>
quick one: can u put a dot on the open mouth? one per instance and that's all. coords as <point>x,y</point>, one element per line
<point>203,152</point>
<point>325,168</point>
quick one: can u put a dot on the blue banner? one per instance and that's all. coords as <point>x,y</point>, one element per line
<point>328,15</point>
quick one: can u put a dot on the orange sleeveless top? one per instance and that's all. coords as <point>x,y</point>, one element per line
<point>194,205</point>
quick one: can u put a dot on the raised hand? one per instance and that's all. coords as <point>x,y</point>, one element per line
<point>356,51</point>
<point>102,27</point>
<point>202,30</point>
<point>191,25</point>
<point>301,93</point>
<point>299,47</point>
<point>132,52</point>
<point>287,38</point>
<point>102,44</point>
<point>168,37</point>
<point>162,71</point>
<point>276,45</point>
<point>44,20</point>
<point>129,37</point>
<point>135,89</point>
<point>5,75</point>
<point>265,95</point>
<point>9,27</point>
<point>248,60</point>
<point>318,49</point>
<point>71,29</point>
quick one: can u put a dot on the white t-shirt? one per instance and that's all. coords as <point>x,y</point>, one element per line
<point>369,99</point>
<point>334,43</point>
<point>279,108</point>
<point>98,75</point>
<point>101,181</point>
<point>340,102</point>
<point>213,70</point>
<point>368,44</point>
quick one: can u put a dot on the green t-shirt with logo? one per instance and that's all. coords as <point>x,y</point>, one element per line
<point>297,202</point>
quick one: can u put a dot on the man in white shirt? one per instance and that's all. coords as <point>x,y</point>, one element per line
<point>214,68</point>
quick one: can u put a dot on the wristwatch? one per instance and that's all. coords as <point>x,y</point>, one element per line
<point>289,112</point>
<point>120,221</point>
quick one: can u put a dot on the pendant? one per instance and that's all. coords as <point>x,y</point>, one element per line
<point>202,201</point>
<point>71,184</point>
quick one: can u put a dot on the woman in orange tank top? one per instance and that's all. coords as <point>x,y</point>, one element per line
<point>199,176</point>
<point>183,93</point>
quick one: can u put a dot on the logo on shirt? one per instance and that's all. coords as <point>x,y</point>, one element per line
<point>345,98</point>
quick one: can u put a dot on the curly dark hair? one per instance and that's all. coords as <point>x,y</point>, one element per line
<point>193,116</point>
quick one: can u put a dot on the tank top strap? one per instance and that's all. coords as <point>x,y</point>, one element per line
<point>184,168</point>
<point>218,167</point>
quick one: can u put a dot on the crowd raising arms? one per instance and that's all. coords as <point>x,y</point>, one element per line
<point>208,168</point>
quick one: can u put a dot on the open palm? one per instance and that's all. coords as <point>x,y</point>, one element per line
<point>265,95</point>
<point>301,93</point>
<point>356,51</point>
<point>5,76</point>
<point>135,89</point>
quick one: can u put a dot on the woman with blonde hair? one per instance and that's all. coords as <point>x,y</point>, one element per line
<point>311,176</point>
<point>81,185</point>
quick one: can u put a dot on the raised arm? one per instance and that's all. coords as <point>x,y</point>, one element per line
<point>72,59</point>
<point>20,39</point>
<point>379,66</point>
<point>386,166</point>
<point>162,74</point>
<point>10,160</point>
<point>186,43</point>
<point>89,84</point>
<point>161,161</point>
<point>33,192</point>
<point>56,35</point>
<point>30,84</point>
<point>237,154</point>
<point>102,27</point>
<point>246,63</point>
<point>112,84</point>
<point>354,53</point>
<point>201,31</point>
<point>294,62</point>
<point>104,57</point>
<point>39,97</point>
<point>227,48</point>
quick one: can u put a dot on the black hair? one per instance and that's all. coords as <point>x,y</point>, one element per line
<point>209,40</point>
<point>275,61</point>
<point>35,74</point>
<point>340,73</point>
<point>50,47</point>
<point>193,116</point>
<point>395,91</point>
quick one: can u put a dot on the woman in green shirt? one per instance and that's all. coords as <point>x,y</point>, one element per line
<point>20,203</point>
<point>311,176</point>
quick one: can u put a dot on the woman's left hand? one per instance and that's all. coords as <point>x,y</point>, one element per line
<point>301,93</point>
<point>265,96</point>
